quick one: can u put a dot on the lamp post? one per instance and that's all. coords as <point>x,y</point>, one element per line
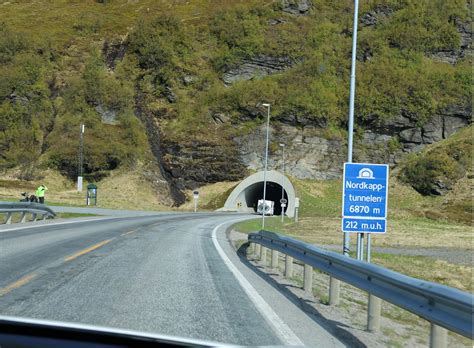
<point>347,241</point>
<point>282,189</point>
<point>266,165</point>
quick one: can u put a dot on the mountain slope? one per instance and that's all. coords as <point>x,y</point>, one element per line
<point>178,85</point>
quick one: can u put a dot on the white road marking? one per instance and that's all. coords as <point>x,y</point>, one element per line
<point>281,329</point>
<point>55,224</point>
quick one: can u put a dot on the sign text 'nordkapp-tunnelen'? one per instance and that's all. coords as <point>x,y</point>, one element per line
<point>365,189</point>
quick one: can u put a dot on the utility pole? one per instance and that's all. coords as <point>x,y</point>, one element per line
<point>81,158</point>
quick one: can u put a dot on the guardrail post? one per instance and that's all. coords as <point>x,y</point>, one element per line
<point>274,263</point>
<point>250,248</point>
<point>334,289</point>
<point>263,255</point>
<point>33,217</point>
<point>45,216</point>
<point>9,218</point>
<point>257,249</point>
<point>23,217</point>
<point>288,266</point>
<point>308,278</point>
<point>438,336</point>
<point>373,313</point>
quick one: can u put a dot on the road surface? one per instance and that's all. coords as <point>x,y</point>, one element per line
<point>173,274</point>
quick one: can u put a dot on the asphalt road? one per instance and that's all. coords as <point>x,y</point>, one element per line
<point>173,274</point>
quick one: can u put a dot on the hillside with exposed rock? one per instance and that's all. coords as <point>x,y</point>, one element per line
<point>177,87</point>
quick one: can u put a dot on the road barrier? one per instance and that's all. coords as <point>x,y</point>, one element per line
<point>35,209</point>
<point>444,307</point>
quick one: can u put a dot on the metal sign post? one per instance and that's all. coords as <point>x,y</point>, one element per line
<point>283,202</point>
<point>297,207</point>
<point>364,201</point>
<point>347,241</point>
<point>196,198</point>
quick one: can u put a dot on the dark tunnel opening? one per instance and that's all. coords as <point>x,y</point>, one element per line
<point>255,192</point>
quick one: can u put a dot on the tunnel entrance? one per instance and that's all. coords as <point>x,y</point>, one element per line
<point>255,192</point>
<point>246,195</point>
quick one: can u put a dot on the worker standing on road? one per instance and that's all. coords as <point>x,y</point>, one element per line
<point>40,193</point>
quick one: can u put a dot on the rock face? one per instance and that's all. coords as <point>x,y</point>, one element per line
<point>257,67</point>
<point>114,51</point>
<point>107,116</point>
<point>296,7</point>
<point>465,49</point>
<point>377,15</point>
<point>199,162</point>
<point>310,154</point>
<point>411,137</point>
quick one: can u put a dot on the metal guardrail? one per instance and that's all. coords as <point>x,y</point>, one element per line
<point>442,306</point>
<point>24,208</point>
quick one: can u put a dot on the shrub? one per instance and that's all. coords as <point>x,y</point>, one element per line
<point>433,173</point>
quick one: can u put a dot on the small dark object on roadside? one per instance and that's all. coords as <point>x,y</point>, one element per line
<point>28,198</point>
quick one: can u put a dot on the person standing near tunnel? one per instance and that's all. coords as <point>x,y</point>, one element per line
<point>40,191</point>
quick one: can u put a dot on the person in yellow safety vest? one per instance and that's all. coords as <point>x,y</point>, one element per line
<point>40,193</point>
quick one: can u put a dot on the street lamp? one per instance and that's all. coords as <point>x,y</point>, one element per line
<point>266,165</point>
<point>282,189</point>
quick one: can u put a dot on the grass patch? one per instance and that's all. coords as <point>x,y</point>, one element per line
<point>72,215</point>
<point>414,232</point>
<point>122,189</point>
<point>408,232</point>
<point>211,197</point>
<point>439,271</point>
<point>393,339</point>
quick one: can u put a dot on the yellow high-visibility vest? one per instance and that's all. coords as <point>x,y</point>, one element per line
<point>40,191</point>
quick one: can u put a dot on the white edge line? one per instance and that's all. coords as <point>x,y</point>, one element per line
<point>281,329</point>
<point>55,224</point>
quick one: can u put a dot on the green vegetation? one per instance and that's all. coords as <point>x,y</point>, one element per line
<point>440,166</point>
<point>414,221</point>
<point>72,215</point>
<point>63,69</point>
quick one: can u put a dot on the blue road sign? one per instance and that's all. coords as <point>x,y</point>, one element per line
<point>364,201</point>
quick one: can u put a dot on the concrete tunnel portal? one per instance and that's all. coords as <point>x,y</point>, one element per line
<point>246,195</point>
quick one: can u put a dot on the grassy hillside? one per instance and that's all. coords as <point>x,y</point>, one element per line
<point>66,62</point>
<point>120,190</point>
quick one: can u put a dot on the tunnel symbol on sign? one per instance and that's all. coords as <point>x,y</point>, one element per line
<point>366,173</point>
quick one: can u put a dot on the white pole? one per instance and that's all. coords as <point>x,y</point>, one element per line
<point>196,198</point>
<point>347,241</point>
<point>282,189</point>
<point>265,169</point>
<point>81,158</point>
<point>368,246</point>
